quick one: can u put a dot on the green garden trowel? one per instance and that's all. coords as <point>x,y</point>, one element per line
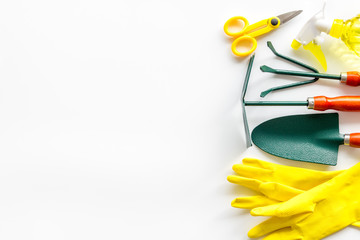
<point>311,137</point>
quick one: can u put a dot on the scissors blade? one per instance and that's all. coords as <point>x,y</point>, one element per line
<point>288,16</point>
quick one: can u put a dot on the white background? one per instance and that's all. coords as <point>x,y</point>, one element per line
<point>122,119</point>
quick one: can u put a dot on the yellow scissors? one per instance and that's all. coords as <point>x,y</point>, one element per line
<point>248,32</point>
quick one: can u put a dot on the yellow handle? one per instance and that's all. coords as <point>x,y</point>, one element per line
<point>248,33</point>
<point>316,50</point>
<point>262,27</point>
<point>242,41</point>
<point>234,21</point>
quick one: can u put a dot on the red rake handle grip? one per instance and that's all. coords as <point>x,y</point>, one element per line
<point>354,140</point>
<point>343,103</point>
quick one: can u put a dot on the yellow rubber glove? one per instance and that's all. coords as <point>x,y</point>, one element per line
<point>271,191</point>
<point>275,182</point>
<point>314,214</point>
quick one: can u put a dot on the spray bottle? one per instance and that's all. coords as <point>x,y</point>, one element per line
<point>310,34</point>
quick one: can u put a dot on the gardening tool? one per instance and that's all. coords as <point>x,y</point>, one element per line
<point>247,33</point>
<point>320,103</point>
<point>351,78</point>
<point>310,138</point>
<point>264,93</point>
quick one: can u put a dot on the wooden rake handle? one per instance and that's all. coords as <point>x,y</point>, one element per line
<point>342,103</point>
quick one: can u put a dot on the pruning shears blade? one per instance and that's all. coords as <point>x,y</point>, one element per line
<point>288,16</point>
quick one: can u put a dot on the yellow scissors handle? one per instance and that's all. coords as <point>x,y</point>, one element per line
<point>248,33</point>
<point>242,41</point>
<point>234,21</point>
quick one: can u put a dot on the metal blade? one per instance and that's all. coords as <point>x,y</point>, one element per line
<point>310,138</point>
<point>288,16</point>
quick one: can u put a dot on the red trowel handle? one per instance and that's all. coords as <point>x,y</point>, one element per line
<point>343,103</point>
<point>351,78</point>
<point>352,139</point>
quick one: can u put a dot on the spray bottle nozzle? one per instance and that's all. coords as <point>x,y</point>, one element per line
<point>295,44</point>
<point>309,36</point>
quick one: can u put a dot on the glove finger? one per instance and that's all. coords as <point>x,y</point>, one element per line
<point>251,183</point>
<point>285,234</point>
<point>253,162</point>
<point>252,172</point>
<point>285,209</point>
<point>252,202</point>
<point>356,224</point>
<point>272,190</point>
<point>279,191</point>
<point>270,225</point>
<point>276,224</point>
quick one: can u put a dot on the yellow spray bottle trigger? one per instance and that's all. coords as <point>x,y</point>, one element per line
<point>310,36</point>
<point>316,50</point>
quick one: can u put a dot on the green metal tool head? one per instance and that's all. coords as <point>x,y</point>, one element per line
<point>265,68</point>
<point>311,138</point>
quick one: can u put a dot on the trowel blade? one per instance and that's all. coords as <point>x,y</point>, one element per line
<point>310,138</point>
